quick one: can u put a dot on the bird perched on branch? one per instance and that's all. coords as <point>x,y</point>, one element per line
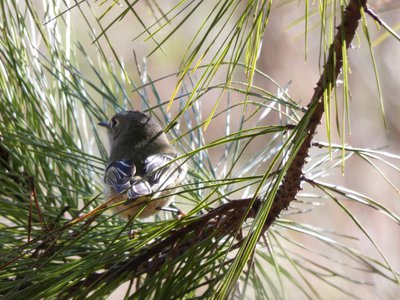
<point>142,170</point>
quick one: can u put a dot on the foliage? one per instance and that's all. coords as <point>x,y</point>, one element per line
<point>52,158</point>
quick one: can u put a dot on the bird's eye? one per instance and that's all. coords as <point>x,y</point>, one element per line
<point>114,123</point>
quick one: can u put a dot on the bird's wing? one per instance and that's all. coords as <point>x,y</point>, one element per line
<point>118,174</point>
<point>161,172</point>
<point>139,187</point>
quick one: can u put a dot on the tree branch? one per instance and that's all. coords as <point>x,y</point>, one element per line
<point>227,219</point>
<point>332,68</point>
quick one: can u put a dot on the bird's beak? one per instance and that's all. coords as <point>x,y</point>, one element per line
<point>104,124</point>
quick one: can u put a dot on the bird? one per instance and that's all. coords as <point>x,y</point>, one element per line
<point>142,169</point>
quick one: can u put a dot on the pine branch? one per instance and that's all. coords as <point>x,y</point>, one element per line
<point>227,219</point>
<point>222,221</point>
<point>332,68</point>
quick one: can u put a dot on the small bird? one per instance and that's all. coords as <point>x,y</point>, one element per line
<point>141,169</point>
